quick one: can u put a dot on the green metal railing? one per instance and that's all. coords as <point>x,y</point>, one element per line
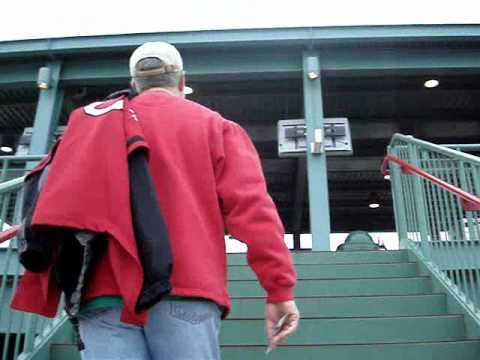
<point>19,332</point>
<point>437,210</point>
<point>11,322</point>
<point>12,167</point>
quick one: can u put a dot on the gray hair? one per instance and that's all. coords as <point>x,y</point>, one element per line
<point>163,80</point>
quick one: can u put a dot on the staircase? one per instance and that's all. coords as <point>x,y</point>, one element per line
<point>422,303</point>
<point>373,305</point>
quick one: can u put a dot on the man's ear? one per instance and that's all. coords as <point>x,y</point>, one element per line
<point>181,84</point>
<point>133,86</point>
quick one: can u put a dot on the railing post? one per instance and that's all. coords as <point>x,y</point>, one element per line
<point>31,325</point>
<point>420,204</point>
<point>316,162</point>
<point>398,200</point>
<point>49,105</point>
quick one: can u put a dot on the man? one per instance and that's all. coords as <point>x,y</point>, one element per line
<point>207,176</point>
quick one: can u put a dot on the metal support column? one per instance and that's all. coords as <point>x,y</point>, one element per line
<point>299,200</point>
<point>49,105</point>
<point>316,158</point>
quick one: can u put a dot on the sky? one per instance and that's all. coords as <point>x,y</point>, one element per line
<point>29,19</point>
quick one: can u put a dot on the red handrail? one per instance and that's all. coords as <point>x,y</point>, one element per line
<point>469,202</point>
<point>8,234</point>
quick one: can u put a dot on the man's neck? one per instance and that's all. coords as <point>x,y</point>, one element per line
<point>169,91</point>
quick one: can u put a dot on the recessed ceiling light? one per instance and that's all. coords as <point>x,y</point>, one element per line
<point>373,200</point>
<point>387,177</point>
<point>432,83</point>
<point>6,149</point>
<point>187,90</point>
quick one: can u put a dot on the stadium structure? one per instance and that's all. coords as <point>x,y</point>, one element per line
<point>359,129</point>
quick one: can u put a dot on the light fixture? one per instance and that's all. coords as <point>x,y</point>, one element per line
<point>387,177</point>
<point>187,90</point>
<point>373,200</point>
<point>432,83</point>
<point>43,80</point>
<point>6,149</point>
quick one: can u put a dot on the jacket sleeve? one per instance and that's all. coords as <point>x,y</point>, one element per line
<point>250,214</point>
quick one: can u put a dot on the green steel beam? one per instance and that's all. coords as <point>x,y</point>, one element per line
<point>316,163</point>
<point>402,57</point>
<point>262,62</point>
<point>215,38</point>
<point>19,74</point>
<point>224,64</point>
<point>48,109</point>
<point>259,62</point>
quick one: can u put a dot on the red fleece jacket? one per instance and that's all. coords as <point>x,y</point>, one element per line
<point>208,176</point>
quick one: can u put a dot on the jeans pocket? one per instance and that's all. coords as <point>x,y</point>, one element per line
<point>193,312</point>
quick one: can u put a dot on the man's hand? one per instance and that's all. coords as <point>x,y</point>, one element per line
<point>273,313</point>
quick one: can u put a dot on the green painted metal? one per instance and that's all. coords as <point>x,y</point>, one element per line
<point>316,163</point>
<point>16,327</point>
<point>221,38</point>
<point>446,350</point>
<point>468,350</point>
<point>463,147</point>
<point>419,202</point>
<point>333,327</point>
<point>354,306</point>
<point>233,54</point>
<point>433,222</point>
<point>400,58</point>
<point>58,331</point>
<point>351,331</point>
<point>64,351</point>
<point>19,74</point>
<point>10,185</point>
<point>335,271</point>
<point>10,268</point>
<point>399,207</point>
<point>254,63</point>
<point>374,303</point>
<point>455,300</point>
<point>9,272</point>
<point>358,240</point>
<point>342,287</point>
<point>224,64</point>
<point>48,110</point>
<point>330,257</point>
<point>13,168</point>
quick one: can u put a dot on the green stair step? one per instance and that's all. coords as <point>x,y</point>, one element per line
<point>64,352</point>
<point>458,350</point>
<point>338,271</point>
<point>461,350</point>
<point>341,287</point>
<point>336,257</point>
<point>366,306</point>
<point>351,331</point>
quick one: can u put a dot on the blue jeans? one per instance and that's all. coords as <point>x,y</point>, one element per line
<point>175,330</point>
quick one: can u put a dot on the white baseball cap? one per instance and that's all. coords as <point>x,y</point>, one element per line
<point>160,50</point>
